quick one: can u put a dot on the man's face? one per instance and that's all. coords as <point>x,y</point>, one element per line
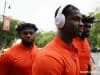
<point>86,29</point>
<point>27,36</point>
<point>74,24</point>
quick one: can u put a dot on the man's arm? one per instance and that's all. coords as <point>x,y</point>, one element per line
<point>4,64</point>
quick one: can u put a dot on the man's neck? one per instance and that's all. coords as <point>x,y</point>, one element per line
<point>82,38</point>
<point>66,38</point>
<point>28,46</point>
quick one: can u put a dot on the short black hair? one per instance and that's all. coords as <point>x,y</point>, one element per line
<point>67,10</point>
<point>88,19</point>
<point>24,26</point>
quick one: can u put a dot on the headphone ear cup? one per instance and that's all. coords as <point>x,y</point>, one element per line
<point>60,20</point>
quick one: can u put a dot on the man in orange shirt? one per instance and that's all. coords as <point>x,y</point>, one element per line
<point>19,58</point>
<point>81,43</point>
<point>59,57</point>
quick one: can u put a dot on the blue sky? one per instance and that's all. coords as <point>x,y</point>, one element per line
<point>41,12</point>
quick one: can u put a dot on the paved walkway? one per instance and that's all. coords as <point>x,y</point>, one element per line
<point>96,57</point>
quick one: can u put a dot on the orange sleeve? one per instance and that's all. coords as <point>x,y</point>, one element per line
<point>47,65</point>
<point>4,64</point>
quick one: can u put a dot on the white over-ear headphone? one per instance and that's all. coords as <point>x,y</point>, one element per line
<point>60,18</point>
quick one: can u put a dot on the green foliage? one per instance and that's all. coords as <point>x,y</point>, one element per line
<point>7,37</point>
<point>95,33</point>
<point>43,38</point>
<point>97,15</point>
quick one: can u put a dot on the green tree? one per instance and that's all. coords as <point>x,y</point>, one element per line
<point>43,38</point>
<point>7,37</point>
<point>95,32</point>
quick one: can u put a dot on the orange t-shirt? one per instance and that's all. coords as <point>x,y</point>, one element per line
<point>18,60</point>
<point>56,58</point>
<point>84,53</point>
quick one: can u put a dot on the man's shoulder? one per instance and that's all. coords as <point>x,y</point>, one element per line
<point>5,55</point>
<point>77,40</point>
<point>50,53</point>
<point>49,56</point>
<point>15,47</point>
